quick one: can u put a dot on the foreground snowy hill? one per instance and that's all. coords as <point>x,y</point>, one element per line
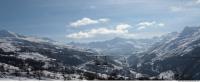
<point>38,58</point>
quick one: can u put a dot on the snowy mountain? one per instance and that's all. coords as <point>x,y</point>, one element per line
<point>171,56</point>
<point>5,33</point>
<point>176,57</point>
<point>34,58</point>
<point>27,56</point>
<point>119,46</point>
<point>12,42</point>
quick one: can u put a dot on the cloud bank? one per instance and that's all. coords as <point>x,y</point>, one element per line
<point>120,29</point>
<point>87,21</point>
<point>146,24</point>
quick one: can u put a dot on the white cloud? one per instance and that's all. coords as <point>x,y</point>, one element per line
<point>176,9</point>
<point>143,25</point>
<point>79,35</point>
<point>161,24</point>
<point>103,20</point>
<point>146,23</point>
<point>87,21</point>
<point>120,29</point>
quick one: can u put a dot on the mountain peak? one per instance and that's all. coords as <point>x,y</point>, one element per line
<point>187,31</point>
<point>6,33</point>
<point>118,39</point>
<point>3,30</point>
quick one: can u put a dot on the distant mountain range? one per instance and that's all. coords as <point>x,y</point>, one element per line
<point>171,56</point>
<point>119,46</point>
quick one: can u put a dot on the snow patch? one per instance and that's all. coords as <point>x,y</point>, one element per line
<point>168,75</point>
<point>33,55</point>
<point>8,47</point>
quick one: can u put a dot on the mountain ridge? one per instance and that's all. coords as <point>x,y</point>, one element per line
<point>175,55</point>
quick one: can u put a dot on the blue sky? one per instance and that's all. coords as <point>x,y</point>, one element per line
<point>92,20</point>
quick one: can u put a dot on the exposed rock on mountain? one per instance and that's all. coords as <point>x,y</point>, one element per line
<point>179,55</point>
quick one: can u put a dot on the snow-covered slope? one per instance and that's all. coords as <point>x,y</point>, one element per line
<point>30,54</point>
<point>179,54</point>
<point>32,58</point>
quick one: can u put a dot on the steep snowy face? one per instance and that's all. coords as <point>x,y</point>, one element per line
<point>180,44</point>
<point>178,54</point>
<point>189,31</point>
<point>137,59</point>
